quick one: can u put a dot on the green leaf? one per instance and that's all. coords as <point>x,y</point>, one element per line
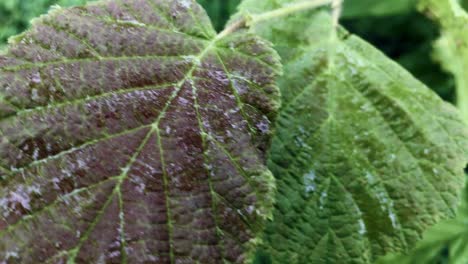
<point>408,39</point>
<point>365,156</point>
<point>366,8</point>
<point>219,10</point>
<point>451,49</point>
<point>446,242</point>
<point>132,133</point>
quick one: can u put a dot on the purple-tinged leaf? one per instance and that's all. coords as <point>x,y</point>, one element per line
<point>131,133</point>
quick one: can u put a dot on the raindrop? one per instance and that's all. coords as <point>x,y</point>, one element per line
<point>114,254</point>
<point>131,21</point>
<point>309,182</point>
<point>11,254</point>
<point>323,196</point>
<point>392,217</point>
<point>370,178</point>
<point>36,78</point>
<point>362,227</point>
<point>183,101</point>
<point>186,4</point>
<point>35,95</point>
<point>263,126</point>
<point>366,107</point>
<point>250,209</point>
<point>191,59</point>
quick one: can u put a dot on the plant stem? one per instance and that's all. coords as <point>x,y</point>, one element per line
<point>337,6</point>
<point>250,20</point>
<point>336,12</point>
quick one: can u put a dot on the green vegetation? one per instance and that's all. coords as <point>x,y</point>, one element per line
<point>234,131</point>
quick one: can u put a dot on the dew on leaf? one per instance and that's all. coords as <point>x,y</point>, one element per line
<point>36,78</point>
<point>191,59</point>
<point>263,126</point>
<point>323,197</point>
<point>250,209</point>
<point>393,219</point>
<point>370,178</point>
<point>187,4</point>
<point>183,101</point>
<point>309,182</point>
<point>362,227</point>
<point>366,107</point>
<point>12,255</point>
<point>35,95</point>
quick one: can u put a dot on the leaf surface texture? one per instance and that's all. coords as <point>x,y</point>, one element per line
<point>365,156</point>
<point>131,133</point>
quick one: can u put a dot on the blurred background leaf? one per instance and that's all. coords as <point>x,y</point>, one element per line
<point>404,35</point>
<point>360,8</point>
<point>219,10</point>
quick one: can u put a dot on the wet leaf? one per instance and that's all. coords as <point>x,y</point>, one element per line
<point>132,133</point>
<point>446,242</point>
<point>365,156</point>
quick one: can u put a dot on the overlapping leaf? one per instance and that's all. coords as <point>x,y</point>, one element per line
<point>452,47</point>
<point>131,133</point>
<point>219,10</point>
<point>368,8</point>
<point>366,157</point>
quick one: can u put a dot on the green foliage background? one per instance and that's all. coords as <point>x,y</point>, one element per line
<point>395,27</point>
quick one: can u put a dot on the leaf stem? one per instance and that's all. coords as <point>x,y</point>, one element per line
<point>335,16</point>
<point>250,20</point>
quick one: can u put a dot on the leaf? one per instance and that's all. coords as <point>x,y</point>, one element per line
<point>366,157</point>
<point>16,14</point>
<point>407,39</point>
<point>219,10</point>
<point>131,133</point>
<point>367,8</point>
<point>446,242</point>
<point>451,48</point>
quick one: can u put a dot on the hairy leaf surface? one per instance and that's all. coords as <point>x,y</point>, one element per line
<point>446,242</point>
<point>131,133</point>
<point>365,156</point>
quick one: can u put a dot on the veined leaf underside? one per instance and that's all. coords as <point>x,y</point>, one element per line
<point>131,133</point>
